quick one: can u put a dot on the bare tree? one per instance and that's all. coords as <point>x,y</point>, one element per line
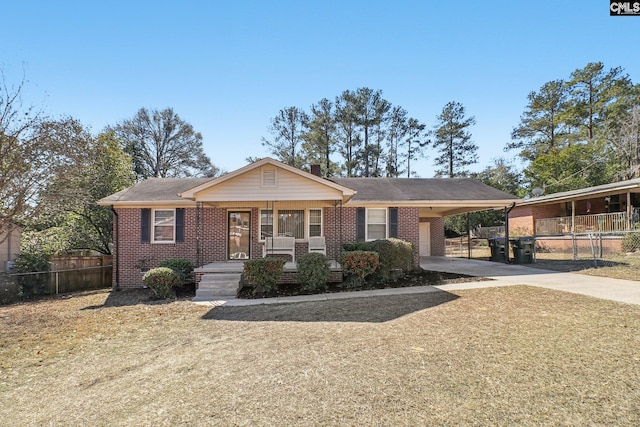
<point>23,161</point>
<point>162,145</point>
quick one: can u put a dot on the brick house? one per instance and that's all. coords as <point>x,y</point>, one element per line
<point>230,218</point>
<point>604,208</point>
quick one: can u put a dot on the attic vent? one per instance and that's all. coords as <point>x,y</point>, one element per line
<point>268,177</point>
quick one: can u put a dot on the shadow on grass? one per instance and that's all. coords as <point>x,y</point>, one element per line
<point>131,297</point>
<point>365,309</point>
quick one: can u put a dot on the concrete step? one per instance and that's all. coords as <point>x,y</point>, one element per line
<point>216,292</point>
<point>208,287</point>
<point>215,277</point>
<point>213,286</point>
<point>220,283</point>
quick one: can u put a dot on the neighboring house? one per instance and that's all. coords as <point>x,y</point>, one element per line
<point>229,218</point>
<point>9,247</point>
<point>604,208</point>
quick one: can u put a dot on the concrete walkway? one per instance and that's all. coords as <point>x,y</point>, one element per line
<point>627,291</point>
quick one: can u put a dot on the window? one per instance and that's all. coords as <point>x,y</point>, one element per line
<point>266,223</point>
<point>291,223</point>
<point>164,225</point>
<point>315,222</point>
<point>376,224</point>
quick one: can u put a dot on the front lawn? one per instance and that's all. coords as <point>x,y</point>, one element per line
<point>495,356</point>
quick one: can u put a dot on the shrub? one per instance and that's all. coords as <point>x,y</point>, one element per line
<point>631,242</point>
<point>356,246</point>
<point>395,258</point>
<point>161,281</point>
<point>182,267</point>
<point>263,273</point>
<point>313,271</point>
<point>32,284</point>
<point>358,265</point>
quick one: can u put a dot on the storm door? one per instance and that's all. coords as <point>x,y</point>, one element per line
<point>239,243</point>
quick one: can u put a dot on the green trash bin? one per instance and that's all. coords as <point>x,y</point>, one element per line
<point>522,250</point>
<point>497,246</point>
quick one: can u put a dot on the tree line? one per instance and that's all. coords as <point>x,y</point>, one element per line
<point>575,132</point>
<point>580,131</point>
<point>360,133</point>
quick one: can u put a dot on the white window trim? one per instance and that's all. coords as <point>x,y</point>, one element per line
<point>274,226</point>
<point>386,223</point>
<point>153,227</point>
<point>309,222</point>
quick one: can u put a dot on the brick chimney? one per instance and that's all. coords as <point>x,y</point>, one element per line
<point>315,169</point>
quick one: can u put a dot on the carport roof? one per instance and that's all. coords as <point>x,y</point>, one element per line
<point>422,190</point>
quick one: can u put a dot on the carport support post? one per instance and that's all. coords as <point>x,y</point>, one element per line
<point>468,236</point>
<point>506,235</point>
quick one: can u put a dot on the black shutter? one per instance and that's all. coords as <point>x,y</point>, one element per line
<point>179,225</point>
<point>393,222</point>
<point>145,225</point>
<point>361,224</point>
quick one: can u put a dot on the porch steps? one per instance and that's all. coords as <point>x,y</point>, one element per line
<point>217,284</point>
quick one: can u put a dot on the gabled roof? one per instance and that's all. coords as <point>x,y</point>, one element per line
<point>632,185</point>
<point>153,190</point>
<point>445,196</point>
<point>192,192</point>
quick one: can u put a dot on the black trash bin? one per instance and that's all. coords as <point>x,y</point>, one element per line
<point>522,250</point>
<point>497,246</point>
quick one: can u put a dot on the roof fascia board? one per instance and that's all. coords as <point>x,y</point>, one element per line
<point>438,203</point>
<point>143,204</point>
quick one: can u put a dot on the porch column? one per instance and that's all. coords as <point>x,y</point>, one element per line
<point>628,210</point>
<point>199,234</point>
<point>573,216</point>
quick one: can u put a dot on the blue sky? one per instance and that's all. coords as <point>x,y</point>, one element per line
<point>228,67</point>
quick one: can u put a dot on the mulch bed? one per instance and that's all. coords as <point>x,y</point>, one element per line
<point>413,278</point>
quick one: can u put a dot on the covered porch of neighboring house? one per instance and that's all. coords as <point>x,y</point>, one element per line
<point>603,222</point>
<point>608,208</point>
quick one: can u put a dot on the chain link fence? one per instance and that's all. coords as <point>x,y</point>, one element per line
<point>602,248</point>
<point>590,249</point>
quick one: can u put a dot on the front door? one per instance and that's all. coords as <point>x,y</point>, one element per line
<point>239,243</point>
<point>425,238</point>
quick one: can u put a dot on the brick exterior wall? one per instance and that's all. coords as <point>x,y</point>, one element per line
<point>522,218</point>
<point>409,230</point>
<point>331,219</point>
<point>437,235</point>
<point>214,238</point>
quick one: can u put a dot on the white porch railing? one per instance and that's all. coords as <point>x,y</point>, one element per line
<point>616,221</point>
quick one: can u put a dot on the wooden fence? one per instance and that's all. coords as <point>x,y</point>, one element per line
<point>75,273</point>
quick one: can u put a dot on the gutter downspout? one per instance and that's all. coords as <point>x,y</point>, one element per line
<point>116,286</point>
<point>506,231</point>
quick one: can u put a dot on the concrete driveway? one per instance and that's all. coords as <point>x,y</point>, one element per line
<point>627,291</point>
